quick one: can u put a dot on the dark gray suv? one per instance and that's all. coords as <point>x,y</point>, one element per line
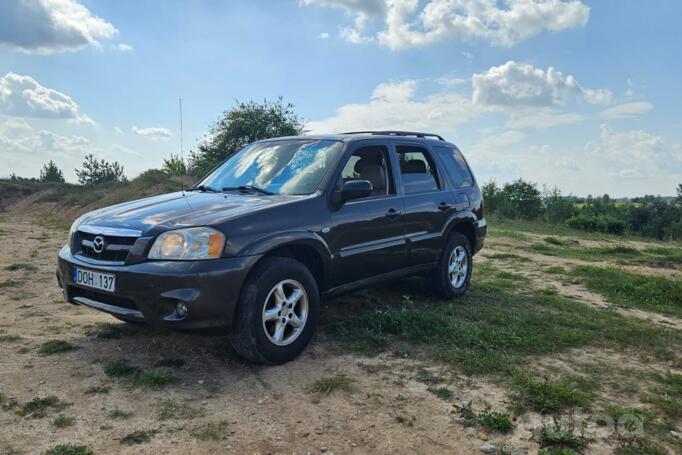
<point>274,228</point>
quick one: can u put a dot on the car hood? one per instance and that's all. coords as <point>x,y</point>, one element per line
<point>182,209</point>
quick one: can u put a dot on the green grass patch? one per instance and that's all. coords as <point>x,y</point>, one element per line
<point>558,437</point>
<point>555,270</point>
<point>640,446</point>
<point>628,289</point>
<point>442,392</point>
<point>55,347</point>
<point>508,256</point>
<point>117,413</point>
<point>172,409</point>
<point>211,431</point>
<point>554,241</point>
<point>491,329</point>
<point>331,384</point>
<point>10,338</point>
<point>138,437</point>
<point>551,397</point>
<point>506,233</point>
<point>62,421</point>
<point>21,266</point>
<point>39,407</point>
<point>496,421</point>
<point>98,390</point>
<point>70,449</point>
<point>120,369</point>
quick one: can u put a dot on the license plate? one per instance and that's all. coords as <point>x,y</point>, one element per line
<point>96,280</point>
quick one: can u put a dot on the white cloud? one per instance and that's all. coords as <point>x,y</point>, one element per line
<point>118,131</point>
<point>495,142</point>
<point>627,110</point>
<point>396,106</point>
<point>623,150</point>
<point>48,26</point>
<point>123,47</point>
<point>542,118</point>
<point>410,23</point>
<point>628,174</point>
<point>153,132</point>
<point>23,96</point>
<point>323,35</point>
<point>521,84</point>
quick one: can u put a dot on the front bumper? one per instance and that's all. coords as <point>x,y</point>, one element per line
<point>149,291</point>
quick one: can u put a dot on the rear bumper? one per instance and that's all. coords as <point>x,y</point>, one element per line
<point>481,230</point>
<point>150,291</point>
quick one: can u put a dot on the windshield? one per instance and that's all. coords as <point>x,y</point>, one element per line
<point>279,167</point>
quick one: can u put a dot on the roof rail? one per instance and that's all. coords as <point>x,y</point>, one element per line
<point>397,133</point>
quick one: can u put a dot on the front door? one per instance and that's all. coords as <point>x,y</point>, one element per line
<point>366,236</point>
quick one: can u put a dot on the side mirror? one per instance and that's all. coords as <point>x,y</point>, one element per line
<point>355,189</point>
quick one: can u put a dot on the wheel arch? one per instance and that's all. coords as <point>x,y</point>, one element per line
<point>463,223</point>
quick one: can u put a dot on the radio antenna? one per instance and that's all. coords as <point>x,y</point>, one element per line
<point>182,159</point>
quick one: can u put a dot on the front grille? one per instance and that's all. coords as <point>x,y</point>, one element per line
<point>115,249</point>
<point>103,297</point>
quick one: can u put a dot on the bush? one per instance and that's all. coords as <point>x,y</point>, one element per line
<point>597,223</point>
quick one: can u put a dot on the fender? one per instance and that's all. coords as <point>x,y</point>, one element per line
<point>291,238</point>
<point>456,218</point>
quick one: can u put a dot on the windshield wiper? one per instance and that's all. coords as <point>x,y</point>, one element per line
<point>203,188</point>
<point>246,188</point>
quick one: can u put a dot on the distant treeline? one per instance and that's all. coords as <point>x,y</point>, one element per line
<point>647,216</point>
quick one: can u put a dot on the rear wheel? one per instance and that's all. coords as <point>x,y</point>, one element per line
<point>277,312</point>
<point>452,275</point>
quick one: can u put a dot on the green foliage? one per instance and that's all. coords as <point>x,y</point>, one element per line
<point>55,346</point>
<point>244,123</point>
<point>120,369</point>
<point>38,407</point>
<point>550,397</point>
<point>596,223</point>
<point>153,379</point>
<point>496,421</point>
<point>70,449</point>
<point>174,165</point>
<point>94,172</point>
<point>329,384</point>
<point>557,437</point>
<point>640,446</point>
<point>630,289</point>
<point>442,392</point>
<point>21,266</point>
<point>138,437</point>
<point>62,421</point>
<point>211,431</point>
<point>51,173</point>
<point>518,199</point>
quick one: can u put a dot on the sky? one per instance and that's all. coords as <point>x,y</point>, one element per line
<point>582,95</point>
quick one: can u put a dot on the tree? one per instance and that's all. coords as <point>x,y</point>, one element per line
<point>679,193</point>
<point>241,125</point>
<point>51,173</point>
<point>94,172</point>
<point>521,199</point>
<point>174,165</point>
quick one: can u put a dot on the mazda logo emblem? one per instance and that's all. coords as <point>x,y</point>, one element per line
<point>98,244</point>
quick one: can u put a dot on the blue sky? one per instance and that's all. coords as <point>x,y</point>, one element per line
<point>579,94</point>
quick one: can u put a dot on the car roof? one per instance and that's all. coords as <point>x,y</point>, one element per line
<point>364,135</point>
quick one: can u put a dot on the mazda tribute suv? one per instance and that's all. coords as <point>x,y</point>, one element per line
<point>280,224</point>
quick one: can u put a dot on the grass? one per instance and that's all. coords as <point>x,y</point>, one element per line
<point>171,409</point>
<point>628,289</point>
<point>668,396</point>
<point>211,431</point>
<point>10,338</point>
<point>138,437</point>
<point>10,283</point>
<point>38,407</point>
<point>551,397</point>
<point>508,256</point>
<point>442,392</point>
<point>70,449</point>
<point>558,437</point>
<point>62,421</point>
<point>640,446</point>
<point>496,421</point>
<point>137,377</point>
<point>331,384</point>
<point>55,347</point>
<point>492,329</point>
<point>21,266</point>
<point>98,390</point>
<point>117,413</point>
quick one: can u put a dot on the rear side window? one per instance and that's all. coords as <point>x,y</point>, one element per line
<point>417,169</point>
<point>456,167</point>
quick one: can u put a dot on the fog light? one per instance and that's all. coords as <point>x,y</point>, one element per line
<point>181,309</point>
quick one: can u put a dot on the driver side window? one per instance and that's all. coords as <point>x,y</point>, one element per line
<point>371,163</point>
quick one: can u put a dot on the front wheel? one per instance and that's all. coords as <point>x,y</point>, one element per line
<point>453,273</point>
<point>277,312</point>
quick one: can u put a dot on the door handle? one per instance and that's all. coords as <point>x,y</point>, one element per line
<point>392,214</point>
<point>444,206</point>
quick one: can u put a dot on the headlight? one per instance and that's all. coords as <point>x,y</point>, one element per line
<point>74,228</point>
<point>188,244</point>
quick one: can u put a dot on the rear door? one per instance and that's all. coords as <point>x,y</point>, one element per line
<point>366,237</point>
<point>429,202</point>
<point>459,176</point>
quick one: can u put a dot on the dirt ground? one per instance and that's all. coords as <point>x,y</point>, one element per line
<point>259,409</point>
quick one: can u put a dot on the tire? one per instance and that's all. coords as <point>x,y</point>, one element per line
<point>254,337</point>
<point>441,279</point>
